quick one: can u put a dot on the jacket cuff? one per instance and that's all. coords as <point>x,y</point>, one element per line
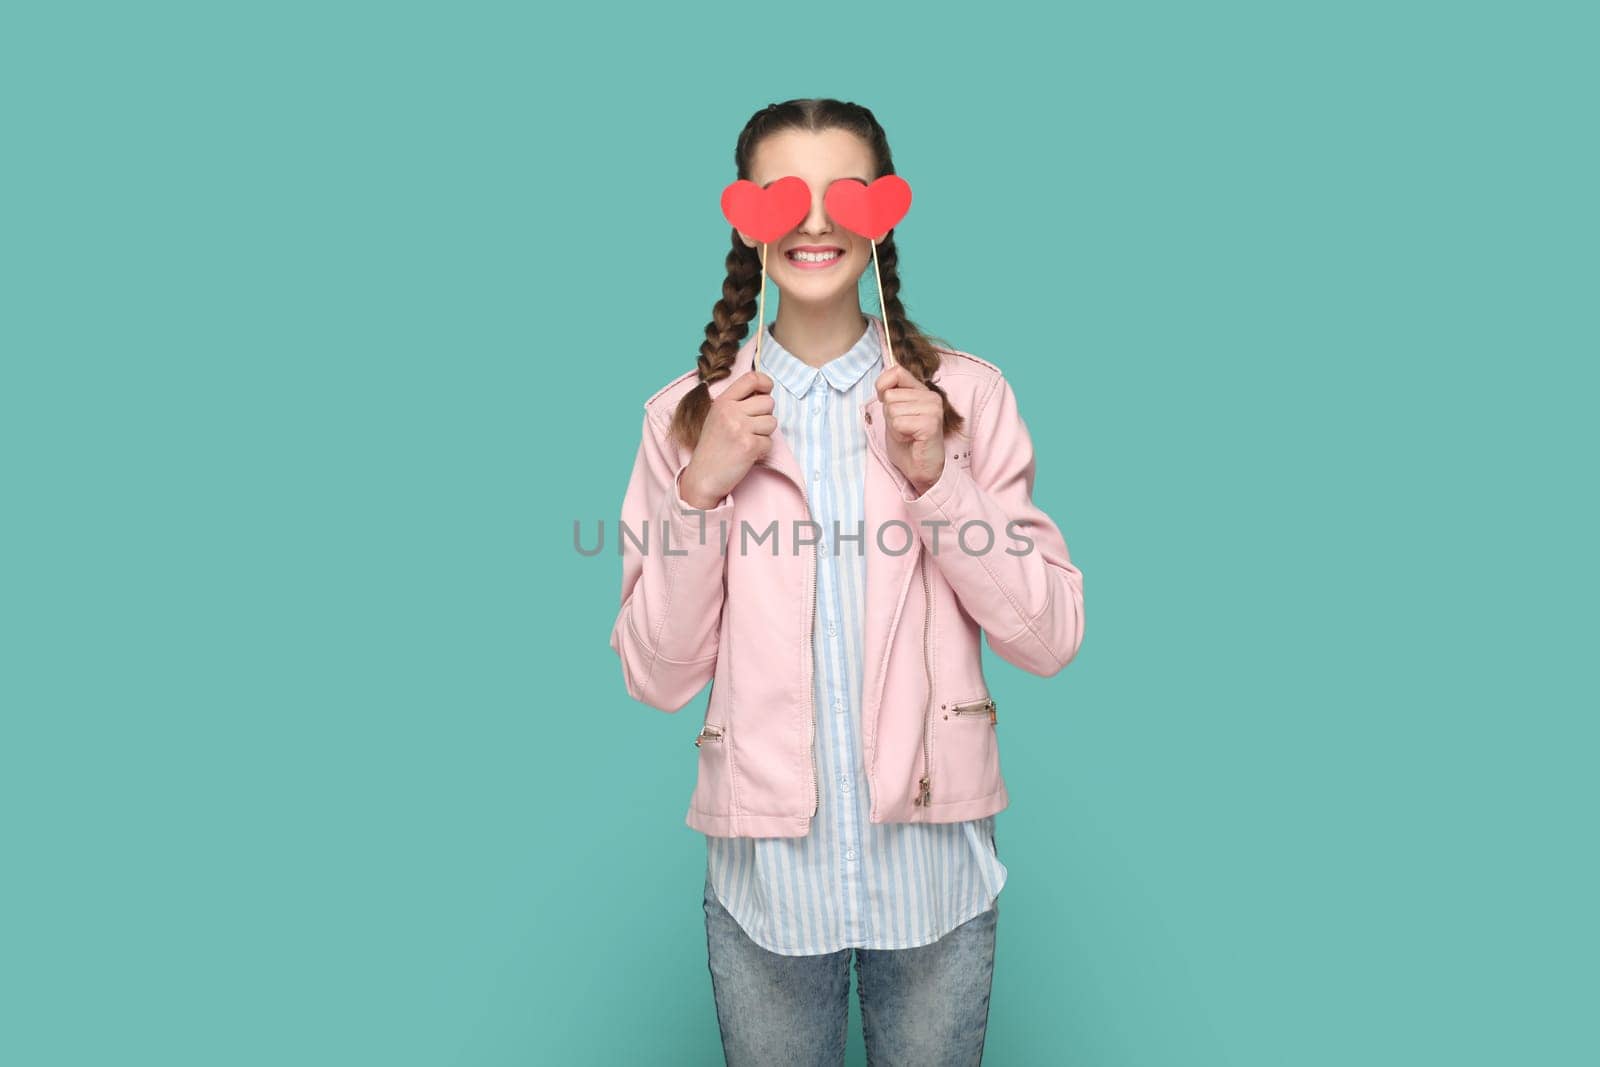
<point>951,502</point>
<point>694,529</point>
<point>937,493</point>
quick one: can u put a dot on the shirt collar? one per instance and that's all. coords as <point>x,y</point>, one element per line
<point>841,372</point>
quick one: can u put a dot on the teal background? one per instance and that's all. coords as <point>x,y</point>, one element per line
<point>322,323</point>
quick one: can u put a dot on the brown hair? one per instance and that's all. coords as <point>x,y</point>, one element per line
<point>731,315</point>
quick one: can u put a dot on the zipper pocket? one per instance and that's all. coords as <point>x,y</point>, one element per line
<point>711,732</point>
<point>986,706</point>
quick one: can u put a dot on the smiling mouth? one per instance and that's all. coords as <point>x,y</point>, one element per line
<point>815,258</point>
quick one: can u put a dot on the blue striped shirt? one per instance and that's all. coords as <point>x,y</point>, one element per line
<point>850,882</point>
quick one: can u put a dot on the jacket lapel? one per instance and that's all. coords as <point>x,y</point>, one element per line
<point>888,576</point>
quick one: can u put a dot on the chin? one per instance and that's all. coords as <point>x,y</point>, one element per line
<point>805,294</point>
<point>801,282</point>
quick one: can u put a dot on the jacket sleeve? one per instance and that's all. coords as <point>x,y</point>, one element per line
<point>673,579</point>
<point>1030,605</point>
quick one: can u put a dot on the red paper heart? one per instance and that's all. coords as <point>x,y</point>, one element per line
<point>869,210</point>
<point>766,214</point>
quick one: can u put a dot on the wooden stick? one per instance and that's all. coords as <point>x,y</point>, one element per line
<point>887,342</point>
<point>761,307</point>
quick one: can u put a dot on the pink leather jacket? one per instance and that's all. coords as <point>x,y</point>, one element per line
<point>697,607</point>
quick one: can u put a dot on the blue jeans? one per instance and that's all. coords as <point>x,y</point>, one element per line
<point>927,1005</point>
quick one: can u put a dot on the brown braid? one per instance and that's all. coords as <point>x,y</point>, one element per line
<point>731,315</point>
<point>724,334</point>
<point>913,349</point>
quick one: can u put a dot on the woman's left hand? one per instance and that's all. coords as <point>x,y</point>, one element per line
<point>914,426</point>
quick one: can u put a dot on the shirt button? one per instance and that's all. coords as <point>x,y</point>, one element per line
<point>849,853</point>
<point>844,785</point>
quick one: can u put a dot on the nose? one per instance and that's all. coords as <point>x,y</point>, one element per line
<point>816,220</point>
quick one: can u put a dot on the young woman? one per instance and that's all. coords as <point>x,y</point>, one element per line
<point>835,532</point>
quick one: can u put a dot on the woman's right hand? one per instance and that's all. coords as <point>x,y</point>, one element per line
<point>737,432</point>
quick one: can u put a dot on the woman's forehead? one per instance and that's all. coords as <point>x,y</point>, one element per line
<point>823,154</point>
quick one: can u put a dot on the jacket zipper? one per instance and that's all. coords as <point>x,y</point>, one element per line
<point>811,689</point>
<point>925,794</point>
<point>977,707</point>
<point>927,716</point>
<point>709,733</point>
<point>811,651</point>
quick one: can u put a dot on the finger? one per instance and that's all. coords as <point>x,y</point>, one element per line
<point>747,384</point>
<point>904,379</point>
<point>757,404</point>
<point>913,402</point>
<point>905,394</point>
<point>895,377</point>
<point>914,421</point>
<point>910,412</point>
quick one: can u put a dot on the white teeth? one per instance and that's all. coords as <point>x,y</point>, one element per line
<point>814,257</point>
